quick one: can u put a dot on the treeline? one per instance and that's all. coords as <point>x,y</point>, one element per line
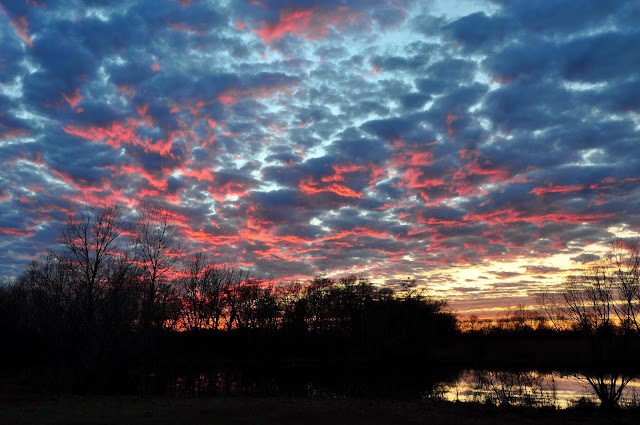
<point>123,300</point>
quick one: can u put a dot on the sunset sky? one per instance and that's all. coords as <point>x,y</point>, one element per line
<point>484,148</point>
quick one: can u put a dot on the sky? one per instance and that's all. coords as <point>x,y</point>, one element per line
<point>485,149</point>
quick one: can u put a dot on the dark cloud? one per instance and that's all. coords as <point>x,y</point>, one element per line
<point>585,258</point>
<point>478,31</point>
<point>414,100</point>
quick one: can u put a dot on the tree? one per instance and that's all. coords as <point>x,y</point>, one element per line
<point>236,295</point>
<point>215,280</point>
<point>157,250</point>
<point>91,241</point>
<point>316,304</point>
<point>43,298</point>
<point>623,263</point>
<point>196,313</point>
<point>602,303</point>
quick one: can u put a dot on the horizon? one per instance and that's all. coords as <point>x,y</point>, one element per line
<point>485,149</point>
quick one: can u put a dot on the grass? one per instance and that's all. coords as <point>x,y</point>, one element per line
<point>282,411</point>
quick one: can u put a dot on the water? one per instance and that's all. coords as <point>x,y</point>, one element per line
<point>526,388</point>
<point>532,388</point>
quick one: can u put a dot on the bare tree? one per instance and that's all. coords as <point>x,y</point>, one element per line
<point>235,296</point>
<point>604,296</point>
<point>157,251</point>
<point>603,302</point>
<point>91,239</point>
<point>45,296</point>
<point>215,281</point>
<point>624,269</point>
<point>204,290</point>
<point>608,387</point>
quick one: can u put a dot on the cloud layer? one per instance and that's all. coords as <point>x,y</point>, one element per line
<point>466,147</point>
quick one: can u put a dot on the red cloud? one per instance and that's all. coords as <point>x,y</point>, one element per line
<point>377,174</point>
<point>200,175</point>
<point>416,159</point>
<point>358,231</point>
<point>158,183</point>
<point>412,179</point>
<point>438,222</point>
<point>511,216</point>
<point>308,23</point>
<point>221,193</point>
<point>474,169</point>
<point>20,26</point>
<point>115,134</point>
<point>73,99</point>
<point>209,239</point>
<point>557,189</point>
<point>297,22</point>
<point>610,183</point>
<point>65,177</point>
<point>231,96</point>
<point>12,231</point>
<point>308,186</point>
<point>341,169</point>
<point>256,231</point>
<point>374,70</point>
<point>10,133</point>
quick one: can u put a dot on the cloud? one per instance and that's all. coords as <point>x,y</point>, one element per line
<point>585,258</point>
<point>302,138</point>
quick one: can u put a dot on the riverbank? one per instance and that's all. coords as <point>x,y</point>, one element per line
<point>32,410</point>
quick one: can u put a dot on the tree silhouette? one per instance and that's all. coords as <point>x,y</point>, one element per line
<point>601,303</point>
<point>157,250</point>
<point>91,241</point>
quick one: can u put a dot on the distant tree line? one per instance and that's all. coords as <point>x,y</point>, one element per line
<point>105,306</point>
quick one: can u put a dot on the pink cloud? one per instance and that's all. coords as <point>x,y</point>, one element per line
<point>21,26</point>
<point>309,187</point>
<point>557,189</point>
<point>308,23</point>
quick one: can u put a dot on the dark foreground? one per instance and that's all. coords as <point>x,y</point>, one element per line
<point>283,411</point>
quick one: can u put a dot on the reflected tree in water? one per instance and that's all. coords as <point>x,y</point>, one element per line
<point>514,388</point>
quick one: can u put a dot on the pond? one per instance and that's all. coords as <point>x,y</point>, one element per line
<point>533,388</point>
<point>527,388</point>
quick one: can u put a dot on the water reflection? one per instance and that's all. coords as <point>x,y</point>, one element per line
<point>310,382</point>
<point>530,388</point>
<point>516,388</point>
